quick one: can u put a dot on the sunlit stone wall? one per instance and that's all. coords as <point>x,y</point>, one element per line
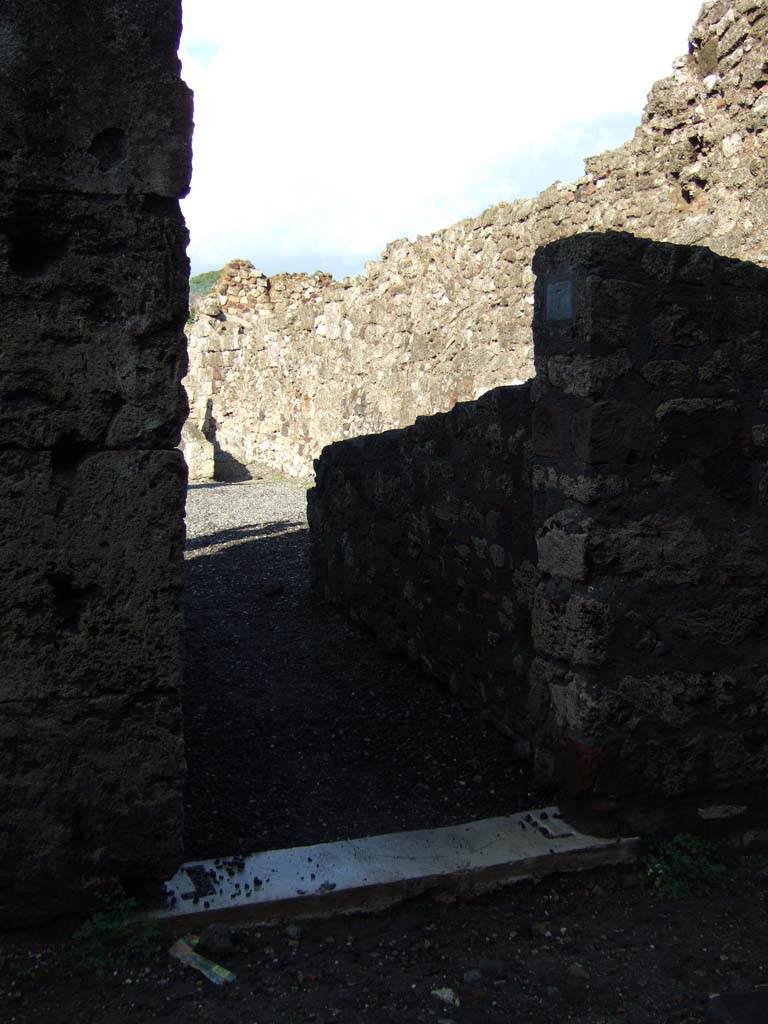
<point>281,366</point>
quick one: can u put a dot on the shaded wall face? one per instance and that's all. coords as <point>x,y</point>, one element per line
<point>425,535</point>
<point>628,578</point>
<point>95,127</point>
<point>650,621</point>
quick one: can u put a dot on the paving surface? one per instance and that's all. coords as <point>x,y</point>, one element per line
<point>299,729</point>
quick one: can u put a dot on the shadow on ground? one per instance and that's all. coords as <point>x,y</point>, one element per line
<point>299,729</point>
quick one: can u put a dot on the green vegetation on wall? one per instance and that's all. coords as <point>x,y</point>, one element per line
<point>201,284</point>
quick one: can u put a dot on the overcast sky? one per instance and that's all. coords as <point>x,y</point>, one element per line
<point>324,130</point>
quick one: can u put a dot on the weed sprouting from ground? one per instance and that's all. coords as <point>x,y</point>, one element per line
<point>683,866</point>
<point>114,936</point>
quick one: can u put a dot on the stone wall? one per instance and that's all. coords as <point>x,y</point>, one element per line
<point>281,366</point>
<point>629,644</point>
<point>426,535</point>
<point>650,621</point>
<point>93,284</point>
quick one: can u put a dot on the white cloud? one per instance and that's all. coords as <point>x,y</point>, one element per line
<point>327,129</point>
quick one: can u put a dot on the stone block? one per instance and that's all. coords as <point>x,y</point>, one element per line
<point>561,541</point>
<point>669,767</point>
<point>739,758</point>
<point>198,453</point>
<point>93,349</point>
<point>91,99</point>
<point>673,699</point>
<point>740,616</point>
<point>549,424</point>
<point>610,431</point>
<point>91,769</point>
<point>576,705</point>
<point>571,626</point>
<point>92,571</point>
<point>586,489</point>
<point>668,373</point>
<point>92,799</point>
<point>614,311</point>
<point>583,376</point>
<point>753,358</point>
<point>704,436</point>
<point>661,549</point>
<point>679,326</point>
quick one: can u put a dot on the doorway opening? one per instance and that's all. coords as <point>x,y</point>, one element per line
<point>299,727</point>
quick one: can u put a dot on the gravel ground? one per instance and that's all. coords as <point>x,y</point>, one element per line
<point>298,728</point>
<point>594,949</point>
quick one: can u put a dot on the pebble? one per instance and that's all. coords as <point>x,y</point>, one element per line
<point>447,996</point>
<point>579,972</point>
<point>215,940</point>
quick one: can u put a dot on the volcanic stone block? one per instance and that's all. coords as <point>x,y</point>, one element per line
<point>91,99</point>
<point>659,548</point>
<point>582,376</point>
<point>92,573</point>
<point>92,757</point>
<point>92,349</point>
<point>569,625</point>
<point>609,432</point>
<point>91,801</point>
<point>561,542</point>
<point>740,616</point>
<point>549,427</point>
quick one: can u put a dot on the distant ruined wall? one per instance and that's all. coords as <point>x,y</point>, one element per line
<point>588,565</point>
<point>95,126</point>
<point>281,366</point>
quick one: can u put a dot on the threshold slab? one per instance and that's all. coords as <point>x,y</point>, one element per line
<point>370,873</point>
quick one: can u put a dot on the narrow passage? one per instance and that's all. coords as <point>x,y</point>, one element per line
<point>298,728</point>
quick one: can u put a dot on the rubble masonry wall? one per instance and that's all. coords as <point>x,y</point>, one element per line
<point>281,366</point>
<point>585,558</point>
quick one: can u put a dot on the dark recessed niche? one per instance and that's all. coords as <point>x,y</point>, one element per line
<point>161,206</point>
<point>69,600</point>
<point>66,455</point>
<point>32,247</point>
<point>109,148</point>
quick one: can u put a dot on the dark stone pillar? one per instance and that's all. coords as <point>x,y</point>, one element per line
<point>650,622</point>
<point>95,129</point>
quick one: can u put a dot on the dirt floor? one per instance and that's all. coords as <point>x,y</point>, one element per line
<point>593,949</point>
<point>298,728</point>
